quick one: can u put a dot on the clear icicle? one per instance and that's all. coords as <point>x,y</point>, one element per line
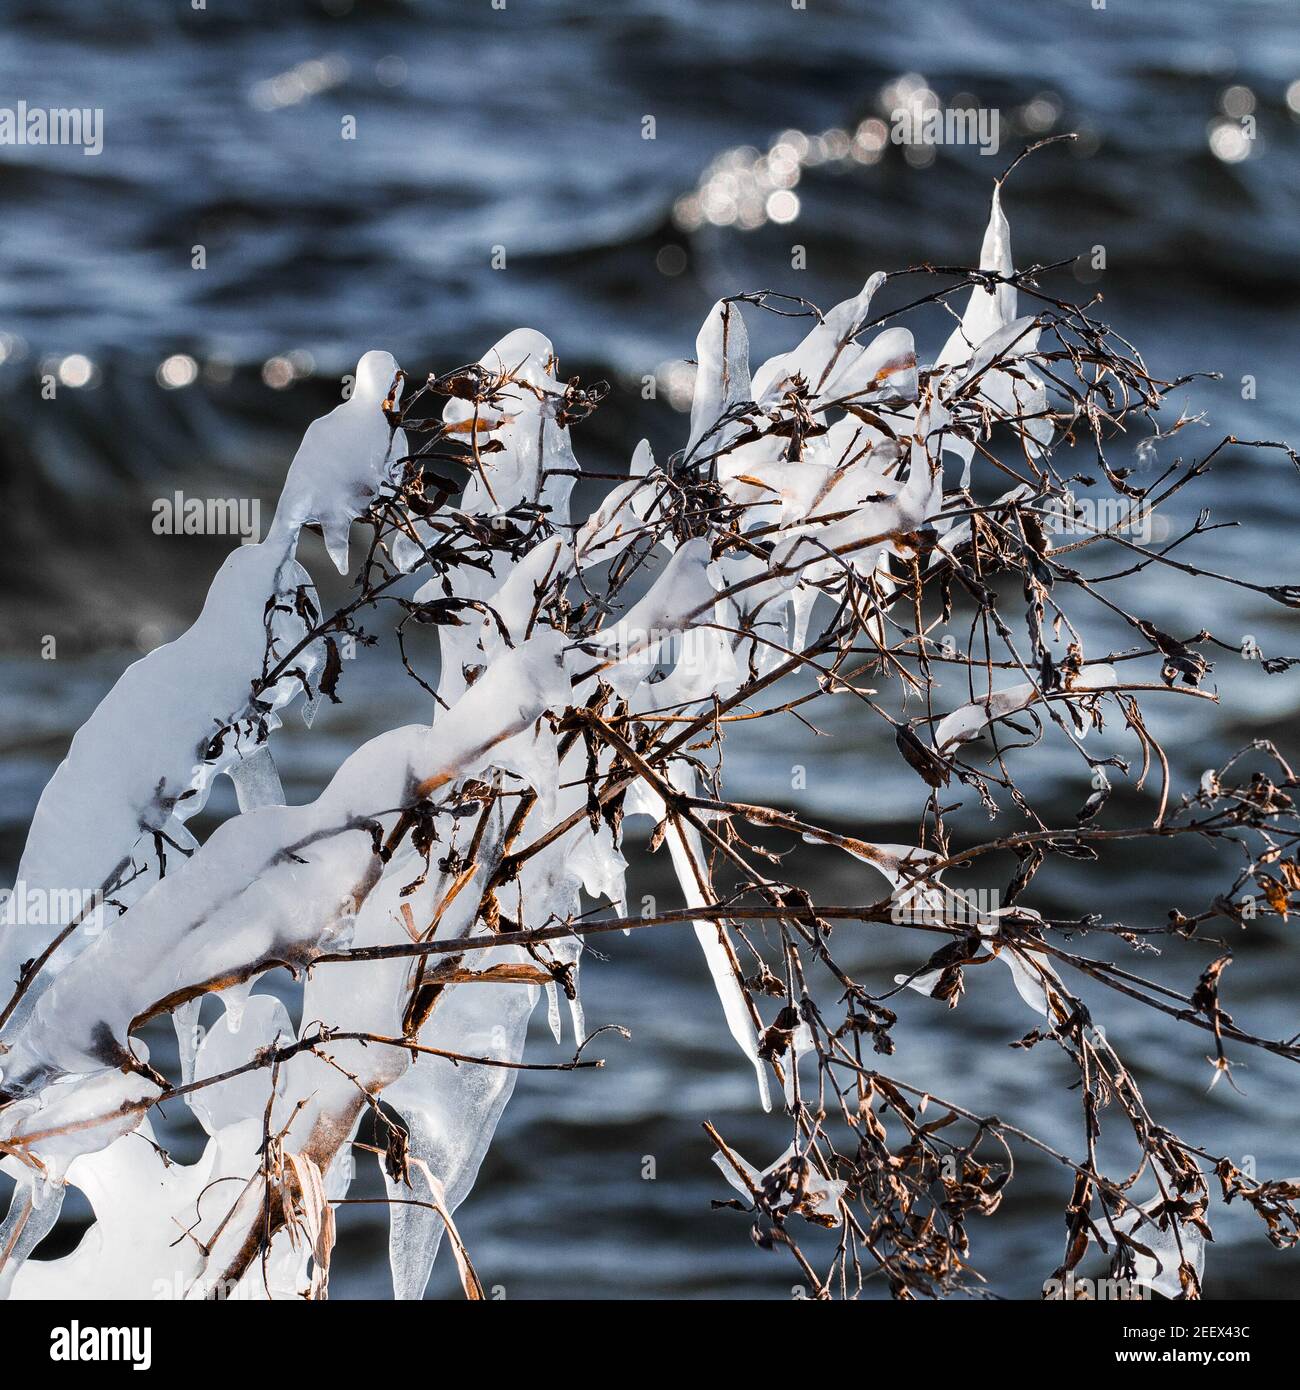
<point>553,1013</point>
<point>722,376</point>
<point>257,780</point>
<point>30,1219</point>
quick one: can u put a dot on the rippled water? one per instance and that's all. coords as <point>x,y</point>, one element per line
<point>522,130</point>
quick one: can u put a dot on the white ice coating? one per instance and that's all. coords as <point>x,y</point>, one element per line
<point>822,1195</point>
<point>344,459</point>
<point>524,423</point>
<point>721,378</point>
<point>1169,1242</point>
<point>276,883</point>
<point>143,762</point>
<point>452,1112</point>
<point>1031,972</point>
<point>680,597</point>
<point>621,517</point>
<point>279,885</point>
<point>970,720</point>
<point>988,309</point>
<point>990,333</point>
<point>833,367</point>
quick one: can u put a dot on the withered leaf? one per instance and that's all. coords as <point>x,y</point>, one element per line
<point>333,670</point>
<point>922,760</point>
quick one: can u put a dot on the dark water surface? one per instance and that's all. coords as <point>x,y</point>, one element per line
<point>522,130</point>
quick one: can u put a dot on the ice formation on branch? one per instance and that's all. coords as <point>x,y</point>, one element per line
<point>119,800</point>
<point>432,892</point>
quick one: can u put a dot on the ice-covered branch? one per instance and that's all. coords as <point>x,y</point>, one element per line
<point>808,538</point>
